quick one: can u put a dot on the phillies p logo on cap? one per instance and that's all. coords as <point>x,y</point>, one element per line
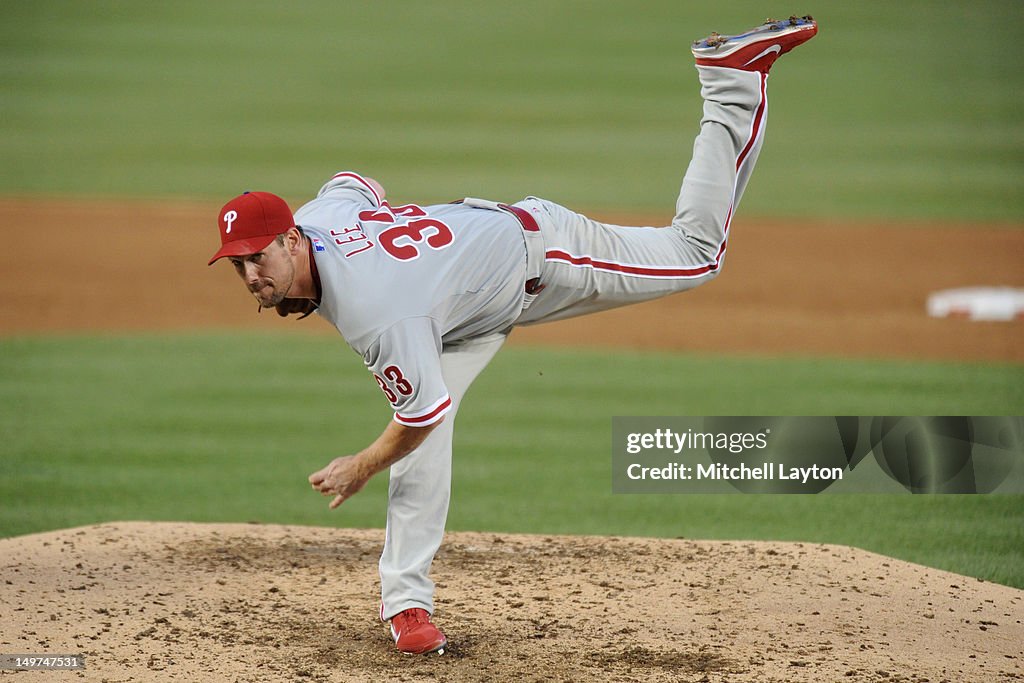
<point>250,222</point>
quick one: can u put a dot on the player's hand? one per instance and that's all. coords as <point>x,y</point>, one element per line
<point>342,478</point>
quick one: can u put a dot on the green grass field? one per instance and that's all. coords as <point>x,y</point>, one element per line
<point>218,428</point>
<point>907,110</point>
<point>899,110</point>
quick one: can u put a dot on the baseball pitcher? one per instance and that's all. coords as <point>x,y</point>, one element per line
<point>428,294</point>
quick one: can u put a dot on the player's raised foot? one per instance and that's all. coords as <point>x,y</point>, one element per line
<point>415,635</point>
<point>758,48</point>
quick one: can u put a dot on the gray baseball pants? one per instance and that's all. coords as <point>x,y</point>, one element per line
<point>588,266</point>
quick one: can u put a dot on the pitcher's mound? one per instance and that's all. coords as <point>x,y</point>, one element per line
<point>201,602</point>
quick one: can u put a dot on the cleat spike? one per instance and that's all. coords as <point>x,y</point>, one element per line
<point>756,49</point>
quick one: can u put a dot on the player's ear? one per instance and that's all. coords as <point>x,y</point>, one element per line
<point>293,240</point>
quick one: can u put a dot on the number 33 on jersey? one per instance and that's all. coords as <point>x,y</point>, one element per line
<point>394,384</point>
<point>408,230</point>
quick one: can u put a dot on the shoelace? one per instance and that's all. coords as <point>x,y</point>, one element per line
<point>415,616</point>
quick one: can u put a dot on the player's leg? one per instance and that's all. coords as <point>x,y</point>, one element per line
<point>419,489</point>
<point>591,266</point>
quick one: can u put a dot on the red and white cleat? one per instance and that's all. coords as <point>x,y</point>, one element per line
<point>415,635</point>
<point>758,48</point>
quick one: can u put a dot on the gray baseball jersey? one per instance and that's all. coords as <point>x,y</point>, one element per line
<point>399,282</point>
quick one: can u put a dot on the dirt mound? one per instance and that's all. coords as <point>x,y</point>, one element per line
<point>189,602</point>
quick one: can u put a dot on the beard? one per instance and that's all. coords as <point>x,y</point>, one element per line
<point>270,300</point>
<point>270,292</point>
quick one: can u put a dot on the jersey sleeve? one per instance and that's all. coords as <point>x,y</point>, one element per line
<point>406,362</point>
<point>352,186</point>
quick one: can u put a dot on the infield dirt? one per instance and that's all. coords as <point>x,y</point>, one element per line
<point>177,602</point>
<point>788,287</point>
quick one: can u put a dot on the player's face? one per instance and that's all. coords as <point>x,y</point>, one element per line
<point>268,275</point>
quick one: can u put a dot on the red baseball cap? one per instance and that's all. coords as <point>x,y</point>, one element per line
<point>250,222</point>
